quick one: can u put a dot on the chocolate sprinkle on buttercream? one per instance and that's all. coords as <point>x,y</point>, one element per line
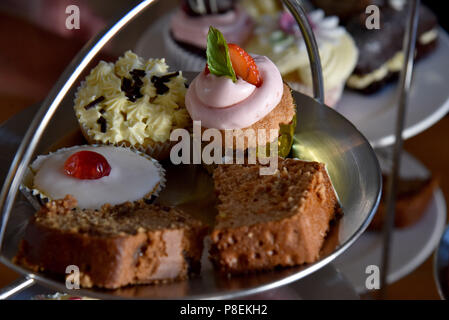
<point>126,85</point>
<point>138,73</point>
<point>168,76</point>
<point>132,87</point>
<point>159,82</point>
<point>102,122</point>
<point>160,87</point>
<point>138,82</point>
<point>94,103</point>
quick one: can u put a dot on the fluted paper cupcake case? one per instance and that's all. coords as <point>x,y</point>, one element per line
<point>37,198</point>
<point>156,150</point>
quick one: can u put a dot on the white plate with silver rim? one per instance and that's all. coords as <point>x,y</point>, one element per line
<point>321,135</point>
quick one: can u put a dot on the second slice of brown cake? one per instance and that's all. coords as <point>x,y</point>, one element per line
<point>272,220</point>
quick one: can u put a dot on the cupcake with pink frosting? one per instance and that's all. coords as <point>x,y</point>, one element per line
<point>236,92</point>
<point>185,35</point>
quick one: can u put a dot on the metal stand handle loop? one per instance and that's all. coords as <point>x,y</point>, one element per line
<point>300,16</point>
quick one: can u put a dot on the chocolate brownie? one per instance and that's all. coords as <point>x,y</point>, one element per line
<point>380,55</point>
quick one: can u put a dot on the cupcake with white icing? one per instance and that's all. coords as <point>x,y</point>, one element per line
<point>236,92</point>
<point>132,102</point>
<point>95,176</point>
<point>279,38</point>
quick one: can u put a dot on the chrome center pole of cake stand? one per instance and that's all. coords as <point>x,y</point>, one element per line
<point>403,95</point>
<point>298,12</point>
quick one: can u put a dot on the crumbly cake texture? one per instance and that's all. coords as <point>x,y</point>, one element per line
<point>132,102</point>
<point>133,243</point>
<point>283,113</point>
<point>269,221</point>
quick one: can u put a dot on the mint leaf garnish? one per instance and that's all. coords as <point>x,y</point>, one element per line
<point>217,52</point>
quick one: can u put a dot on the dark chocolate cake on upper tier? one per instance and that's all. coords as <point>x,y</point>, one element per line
<point>380,58</point>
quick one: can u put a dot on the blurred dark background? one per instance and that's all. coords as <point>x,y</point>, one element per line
<point>36,46</point>
<point>438,8</point>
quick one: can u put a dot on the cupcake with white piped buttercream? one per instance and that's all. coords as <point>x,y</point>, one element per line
<point>133,102</point>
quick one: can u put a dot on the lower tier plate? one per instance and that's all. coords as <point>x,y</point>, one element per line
<point>322,135</point>
<point>410,247</point>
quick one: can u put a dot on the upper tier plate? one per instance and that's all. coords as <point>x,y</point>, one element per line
<point>374,115</point>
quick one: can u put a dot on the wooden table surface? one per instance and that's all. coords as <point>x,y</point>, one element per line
<point>29,69</point>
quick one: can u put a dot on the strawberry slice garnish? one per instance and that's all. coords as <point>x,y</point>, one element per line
<point>244,65</point>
